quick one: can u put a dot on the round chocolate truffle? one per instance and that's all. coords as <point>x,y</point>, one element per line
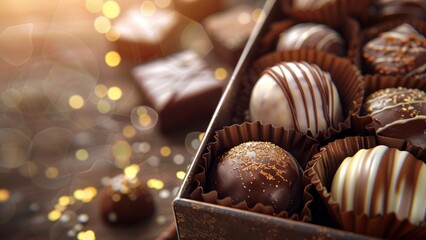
<point>296,95</point>
<point>259,172</point>
<point>382,180</point>
<point>399,113</point>
<point>398,52</point>
<point>311,36</point>
<point>412,8</point>
<point>126,201</point>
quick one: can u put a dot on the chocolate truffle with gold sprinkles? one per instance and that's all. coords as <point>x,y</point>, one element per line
<point>399,113</point>
<point>125,200</point>
<point>398,52</point>
<point>259,172</point>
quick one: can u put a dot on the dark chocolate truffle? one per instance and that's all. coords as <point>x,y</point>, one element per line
<point>399,113</point>
<point>399,52</point>
<point>412,8</point>
<point>382,180</point>
<point>126,201</point>
<point>296,95</point>
<point>260,172</point>
<point>311,36</point>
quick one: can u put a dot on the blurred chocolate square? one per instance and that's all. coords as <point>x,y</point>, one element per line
<point>197,9</point>
<point>141,33</point>
<point>230,30</point>
<point>181,88</point>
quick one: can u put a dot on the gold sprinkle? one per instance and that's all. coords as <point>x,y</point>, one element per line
<point>64,200</point>
<point>102,24</point>
<point>129,131</point>
<point>114,93</point>
<point>76,102</point>
<point>111,9</point>
<point>51,172</point>
<point>155,184</point>
<point>131,171</point>
<point>220,74</point>
<point>112,59</point>
<point>82,154</point>
<point>165,151</point>
<point>180,175</point>
<point>4,195</point>
<point>54,215</point>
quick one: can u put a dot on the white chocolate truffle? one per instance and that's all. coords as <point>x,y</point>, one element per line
<point>296,95</point>
<point>382,180</point>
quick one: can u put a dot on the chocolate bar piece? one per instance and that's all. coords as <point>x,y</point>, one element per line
<point>229,31</point>
<point>181,88</point>
<point>197,9</point>
<point>141,35</point>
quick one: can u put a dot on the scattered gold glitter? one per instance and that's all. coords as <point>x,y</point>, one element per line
<point>155,184</point>
<point>145,120</point>
<point>79,194</point>
<point>122,150</point>
<point>76,102</point>
<point>165,151</point>
<point>113,34</point>
<point>131,171</point>
<point>94,6</point>
<point>258,15</point>
<point>111,9</point>
<point>54,215</point>
<point>163,3</point>
<point>114,93</point>
<point>11,97</point>
<point>148,8</point>
<point>180,175</point>
<point>86,235</point>
<point>103,106</point>
<point>51,172</point>
<point>102,24</point>
<point>129,131</point>
<point>201,136</point>
<point>112,59</point>
<point>4,195</point>
<point>116,197</point>
<point>101,91</point>
<point>64,200</point>
<point>220,74</point>
<point>90,192</point>
<point>82,154</point>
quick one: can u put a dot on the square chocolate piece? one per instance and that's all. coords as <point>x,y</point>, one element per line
<point>229,31</point>
<point>181,88</point>
<point>141,34</point>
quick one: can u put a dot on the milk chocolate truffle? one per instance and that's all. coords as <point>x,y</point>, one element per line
<point>399,113</point>
<point>260,172</point>
<point>296,95</point>
<point>311,36</point>
<point>126,201</point>
<point>412,8</point>
<point>382,180</point>
<point>398,52</point>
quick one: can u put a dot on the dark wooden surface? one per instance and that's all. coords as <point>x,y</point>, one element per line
<point>50,51</point>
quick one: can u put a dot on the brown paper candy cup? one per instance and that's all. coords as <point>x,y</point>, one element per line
<point>349,29</point>
<point>321,171</point>
<point>345,76</point>
<point>331,13</point>
<point>373,32</point>
<point>302,148</point>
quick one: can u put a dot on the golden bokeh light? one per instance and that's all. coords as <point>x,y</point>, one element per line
<point>122,151</point>
<point>145,120</point>
<point>155,184</point>
<point>115,93</point>
<point>94,6</point>
<point>76,102</point>
<point>4,195</point>
<point>201,136</point>
<point>11,97</point>
<point>51,172</point>
<point>180,175</point>
<point>111,9</point>
<point>163,3</point>
<point>113,34</point>
<point>101,90</point>
<point>103,106</point>
<point>148,8</point>
<point>102,24</point>
<point>116,197</point>
<point>64,200</point>
<point>131,171</point>
<point>112,59</point>
<point>220,74</point>
<point>258,15</point>
<point>129,131</point>
<point>82,154</point>
<point>165,151</point>
<point>54,215</point>
<point>86,235</point>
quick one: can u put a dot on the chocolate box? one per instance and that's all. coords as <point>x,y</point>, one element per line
<point>201,220</point>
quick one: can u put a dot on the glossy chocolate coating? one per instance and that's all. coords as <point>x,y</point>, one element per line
<point>311,36</point>
<point>398,52</point>
<point>399,113</point>
<point>412,8</point>
<point>309,4</point>
<point>259,172</point>
<point>126,201</point>
<point>382,180</point>
<point>296,95</point>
